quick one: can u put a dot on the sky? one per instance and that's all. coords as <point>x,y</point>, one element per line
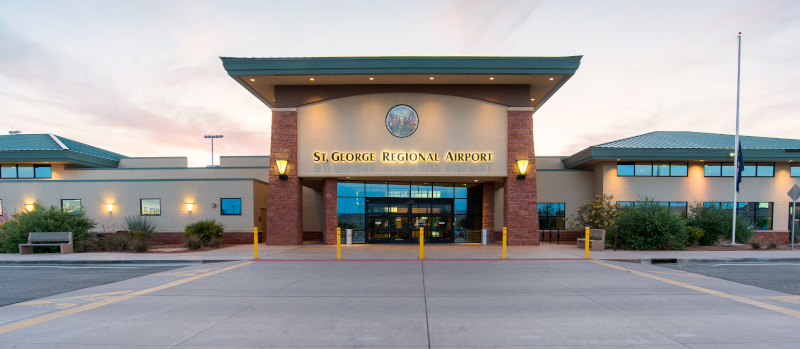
<point>144,78</point>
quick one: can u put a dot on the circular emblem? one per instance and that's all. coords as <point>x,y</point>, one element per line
<point>402,121</point>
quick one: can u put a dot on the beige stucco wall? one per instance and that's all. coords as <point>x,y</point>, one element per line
<point>166,161</point>
<point>549,162</point>
<point>697,187</point>
<point>446,123</point>
<point>61,173</point>
<point>125,196</point>
<point>572,187</point>
<point>312,209</point>
<point>244,161</point>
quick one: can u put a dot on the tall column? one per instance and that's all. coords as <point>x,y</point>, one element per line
<point>520,213</point>
<point>330,219</point>
<point>285,205</point>
<point>488,209</point>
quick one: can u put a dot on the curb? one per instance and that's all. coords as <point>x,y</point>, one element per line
<point>75,262</point>
<point>701,260</point>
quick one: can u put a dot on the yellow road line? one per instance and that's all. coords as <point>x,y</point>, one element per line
<point>101,303</point>
<point>706,290</point>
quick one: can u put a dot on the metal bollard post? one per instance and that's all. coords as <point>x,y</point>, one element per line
<point>421,242</point>
<point>338,243</point>
<point>505,240</point>
<point>255,243</point>
<point>586,243</point>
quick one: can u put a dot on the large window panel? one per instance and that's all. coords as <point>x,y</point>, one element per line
<point>551,216</point>
<point>765,170</point>
<point>795,171</point>
<point>661,169</point>
<point>644,169</point>
<point>712,169</point>
<point>443,190</point>
<point>351,189</point>
<point>150,207</point>
<point>758,213</point>
<point>399,189</point>
<point>8,171</point>
<point>749,169</point>
<point>42,171</point>
<point>377,189</point>
<point>421,190</point>
<point>728,169</point>
<point>625,169</point>
<point>679,169</point>
<point>25,171</point>
<point>230,207</point>
<point>350,205</point>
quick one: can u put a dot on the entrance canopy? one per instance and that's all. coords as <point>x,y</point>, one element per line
<point>510,81</point>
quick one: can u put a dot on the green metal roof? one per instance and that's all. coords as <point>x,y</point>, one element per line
<point>52,148</point>
<point>687,146</point>
<point>401,65</point>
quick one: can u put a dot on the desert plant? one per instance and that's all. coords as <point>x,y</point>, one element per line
<point>193,242</point>
<point>599,213</point>
<point>215,242</point>
<point>756,245</point>
<point>772,245</point>
<point>205,229</point>
<point>144,224</point>
<point>44,218</point>
<point>695,234</point>
<point>649,225</point>
<point>117,242</point>
<point>718,223</point>
<point>140,245</point>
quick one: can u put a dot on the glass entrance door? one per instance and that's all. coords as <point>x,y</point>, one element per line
<point>399,220</point>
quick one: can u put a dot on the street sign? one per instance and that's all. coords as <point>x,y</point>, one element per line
<point>794,193</point>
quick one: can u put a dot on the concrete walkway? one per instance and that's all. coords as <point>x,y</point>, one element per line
<point>413,304</point>
<point>392,252</point>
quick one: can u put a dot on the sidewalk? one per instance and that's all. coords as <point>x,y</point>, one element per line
<point>389,252</point>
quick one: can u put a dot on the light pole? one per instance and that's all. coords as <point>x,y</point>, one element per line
<point>212,145</point>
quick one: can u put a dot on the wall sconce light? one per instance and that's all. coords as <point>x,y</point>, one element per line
<point>29,207</point>
<point>189,206</point>
<point>523,168</point>
<point>110,207</point>
<point>282,168</point>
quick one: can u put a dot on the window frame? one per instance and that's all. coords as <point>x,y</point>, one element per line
<point>222,213</point>
<point>141,211</point>
<point>670,165</point>
<point>35,167</point>
<point>792,166</point>
<point>559,207</point>
<point>752,215</point>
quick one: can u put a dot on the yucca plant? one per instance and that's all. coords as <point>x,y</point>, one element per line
<point>144,224</point>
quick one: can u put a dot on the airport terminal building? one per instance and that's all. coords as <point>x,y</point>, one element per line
<point>388,145</point>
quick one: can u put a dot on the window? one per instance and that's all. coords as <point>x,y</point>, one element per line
<point>2,213</point>
<point>676,207</point>
<point>652,169</point>
<point>230,207</point>
<point>25,171</point>
<point>71,205</point>
<point>759,213</point>
<point>795,170</point>
<point>751,169</point>
<point>552,216</point>
<point>150,207</point>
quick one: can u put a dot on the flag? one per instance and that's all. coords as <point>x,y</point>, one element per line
<point>739,165</point>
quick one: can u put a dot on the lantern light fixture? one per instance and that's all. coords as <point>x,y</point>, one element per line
<point>29,207</point>
<point>189,206</point>
<point>282,163</point>
<point>522,164</point>
<point>110,207</point>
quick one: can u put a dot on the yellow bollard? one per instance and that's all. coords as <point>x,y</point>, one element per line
<point>255,242</point>
<point>338,243</point>
<point>505,240</point>
<point>421,243</point>
<point>586,243</point>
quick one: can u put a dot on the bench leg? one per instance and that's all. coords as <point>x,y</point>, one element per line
<point>66,248</point>
<point>25,249</point>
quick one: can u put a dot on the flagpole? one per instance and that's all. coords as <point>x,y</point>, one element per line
<point>736,142</point>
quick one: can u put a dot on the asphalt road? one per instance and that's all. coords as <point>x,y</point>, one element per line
<point>23,283</point>
<point>782,277</point>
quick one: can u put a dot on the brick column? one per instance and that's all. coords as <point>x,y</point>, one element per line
<point>520,213</point>
<point>330,220</point>
<point>488,209</point>
<point>285,205</point>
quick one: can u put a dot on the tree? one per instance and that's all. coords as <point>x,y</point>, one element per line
<point>599,213</point>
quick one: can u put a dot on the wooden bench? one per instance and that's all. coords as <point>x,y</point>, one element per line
<point>63,240</point>
<point>596,245</point>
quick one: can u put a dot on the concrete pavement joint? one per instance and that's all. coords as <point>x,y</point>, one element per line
<point>425,299</point>
<point>708,291</point>
<point>75,310</point>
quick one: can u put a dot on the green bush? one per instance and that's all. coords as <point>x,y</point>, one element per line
<point>718,224</point>
<point>599,213</point>
<point>695,235</point>
<point>205,229</point>
<point>649,225</point>
<point>117,242</point>
<point>47,219</point>
<point>144,224</point>
<point>193,242</point>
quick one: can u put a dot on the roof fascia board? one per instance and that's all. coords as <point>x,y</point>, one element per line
<point>56,156</point>
<point>252,91</point>
<point>631,154</point>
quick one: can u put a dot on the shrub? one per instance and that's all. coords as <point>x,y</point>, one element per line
<point>193,242</point>
<point>144,224</point>
<point>117,242</point>
<point>718,223</point>
<point>772,244</point>
<point>46,219</point>
<point>756,245</point>
<point>205,229</point>
<point>215,242</point>
<point>649,225</point>
<point>695,234</point>
<point>599,213</point>
<point>140,245</point>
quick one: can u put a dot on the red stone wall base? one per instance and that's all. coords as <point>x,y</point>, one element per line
<point>330,219</point>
